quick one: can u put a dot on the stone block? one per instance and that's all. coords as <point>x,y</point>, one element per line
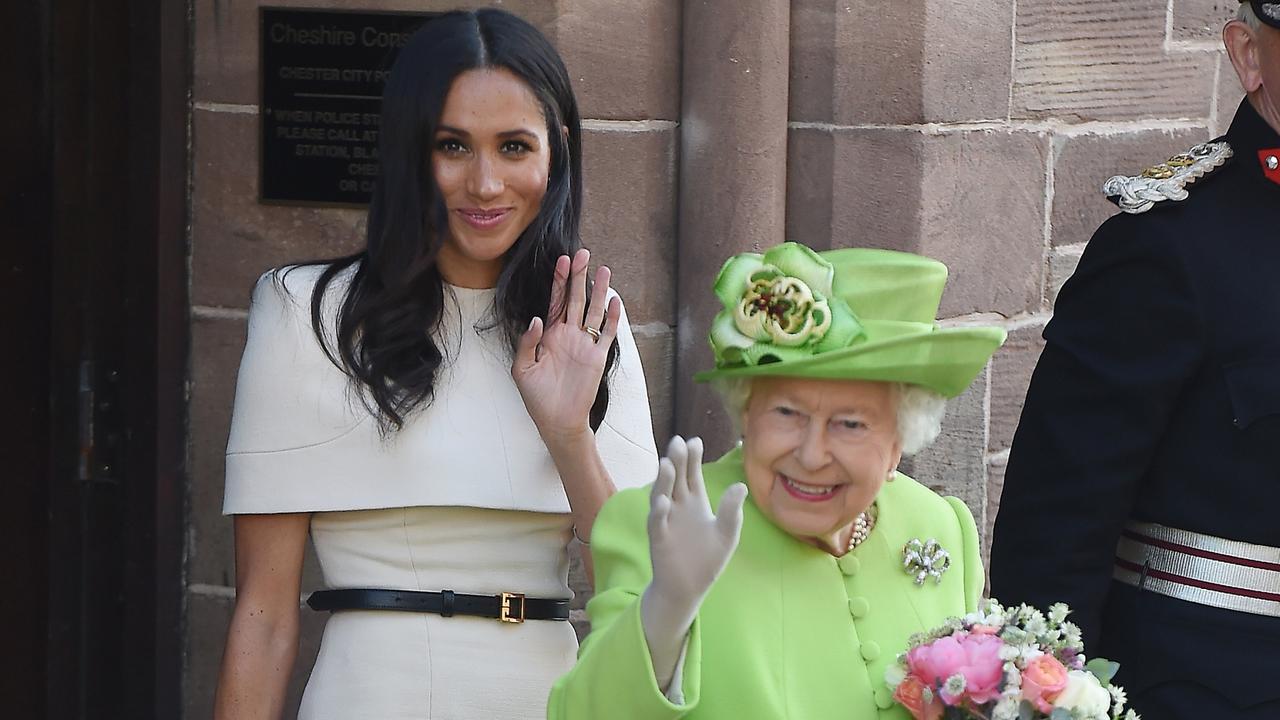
<point>1082,163</point>
<point>983,215</point>
<point>1011,370</point>
<point>1062,265</point>
<point>929,193</point>
<point>1230,95</point>
<point>624,58</point>
<point>1200,20</point>
<point>227,45</point>
<point>899,63</point>
<point>234,237</point>
<point>995,486</point>
<point>657,353</point>
<point>967,69</point>
<point>854,187</point>
<point>216,344</point>
<point>629,216</point>
<point>1102,60</point>
<point>856,63</point>
<point>955,464</point>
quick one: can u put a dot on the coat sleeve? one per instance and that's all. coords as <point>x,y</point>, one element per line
<point>1125,338</point>
<point>975,578</point>
<point>625,438</point>
<point>614,675</point>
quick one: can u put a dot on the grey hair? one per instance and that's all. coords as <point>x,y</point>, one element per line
<point>1247,16</point>
<point>920,410</point>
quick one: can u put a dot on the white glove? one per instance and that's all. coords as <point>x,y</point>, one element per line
<point>688,547</point>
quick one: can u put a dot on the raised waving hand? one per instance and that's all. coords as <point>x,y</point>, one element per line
<point>688,548</point>
<point>560,360</point>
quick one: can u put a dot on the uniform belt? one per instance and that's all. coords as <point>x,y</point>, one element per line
<point>1200,568</point>
<point>507,606</point>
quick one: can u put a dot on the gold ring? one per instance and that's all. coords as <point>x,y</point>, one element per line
<point>594,333</point>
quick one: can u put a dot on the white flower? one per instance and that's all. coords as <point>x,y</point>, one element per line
<point>1131,715</point>
<point>1009,652</point>
<point>1012,677</point>
<point>1071,634</point>
<point>1036,625</point>
<point>1013,635</point>
<point>1085,696</point>
<point>1006,709</point>
<point>1058,613</point>
<point>1118,697</point>
<point>1029,653</point>
<point>955,685</point>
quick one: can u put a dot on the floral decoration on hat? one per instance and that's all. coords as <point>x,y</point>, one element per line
<point>779,306</point>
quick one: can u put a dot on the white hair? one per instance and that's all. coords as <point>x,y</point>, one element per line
<point>920,410</point>
<point>1247,16</point>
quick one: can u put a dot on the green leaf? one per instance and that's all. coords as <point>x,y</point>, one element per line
<point>844,329</point>
<point>1103,669</point>
<point>1060,714</point>
<point>802,262</point>
<point>727,342</point>
<point>1026,711</point>
<point>731,283</point>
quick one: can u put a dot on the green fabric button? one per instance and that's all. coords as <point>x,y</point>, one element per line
<point>884,698</point>
<point>858,607</point>
<point>848,564</point>
<point>870,650</point>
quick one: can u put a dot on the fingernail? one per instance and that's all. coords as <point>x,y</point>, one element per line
<point>532,320</point>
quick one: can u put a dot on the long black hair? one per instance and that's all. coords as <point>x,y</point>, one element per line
<point>383,337</point>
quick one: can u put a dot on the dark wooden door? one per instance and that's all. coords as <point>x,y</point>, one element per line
<point>96,247</point>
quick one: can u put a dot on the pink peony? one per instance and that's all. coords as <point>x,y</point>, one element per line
<point>910,694</point>
<point>976,657</point>
<point>1042,681</point>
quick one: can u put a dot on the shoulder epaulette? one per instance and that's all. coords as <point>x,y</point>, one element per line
<point>1168,180</point>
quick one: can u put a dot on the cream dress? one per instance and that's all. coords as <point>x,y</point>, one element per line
<point>465,497</point>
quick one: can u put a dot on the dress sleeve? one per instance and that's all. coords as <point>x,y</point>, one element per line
<point>614,675</point>
<point>289,396</point>
<point>1125,338</point>
<point>625,438</point>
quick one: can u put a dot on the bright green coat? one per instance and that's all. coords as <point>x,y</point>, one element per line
<point>787,631</point>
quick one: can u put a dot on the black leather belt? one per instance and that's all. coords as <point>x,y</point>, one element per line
<point>508,606</point>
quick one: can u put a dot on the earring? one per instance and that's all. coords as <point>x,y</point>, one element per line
<point>893,473</point>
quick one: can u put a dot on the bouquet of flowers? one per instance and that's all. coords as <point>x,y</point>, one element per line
<point>1005,664</point>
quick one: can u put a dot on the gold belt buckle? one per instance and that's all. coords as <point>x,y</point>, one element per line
<point>505,615</point>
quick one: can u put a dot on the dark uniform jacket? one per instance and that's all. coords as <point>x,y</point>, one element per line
<point>1157,399</point>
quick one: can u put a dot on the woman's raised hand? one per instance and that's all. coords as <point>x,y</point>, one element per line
<point>559,362</point>
<point>688,545</point>
<point>688,548</point>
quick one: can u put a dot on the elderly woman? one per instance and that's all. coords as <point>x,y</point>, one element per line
<point>791,605</point>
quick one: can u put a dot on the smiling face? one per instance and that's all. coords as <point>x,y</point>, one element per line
<point>816,453</point>
<point>491,159</point>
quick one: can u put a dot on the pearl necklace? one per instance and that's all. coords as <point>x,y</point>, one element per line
<point>862,527</point>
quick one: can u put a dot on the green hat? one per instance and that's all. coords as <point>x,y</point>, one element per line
<point>849,314</point>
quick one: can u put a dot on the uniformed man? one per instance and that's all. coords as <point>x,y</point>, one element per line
<point>1143,486</point>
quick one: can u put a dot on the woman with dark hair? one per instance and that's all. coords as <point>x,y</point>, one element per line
<point>441,411</point>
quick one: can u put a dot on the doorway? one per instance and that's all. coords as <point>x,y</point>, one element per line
<point>95,233</point>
